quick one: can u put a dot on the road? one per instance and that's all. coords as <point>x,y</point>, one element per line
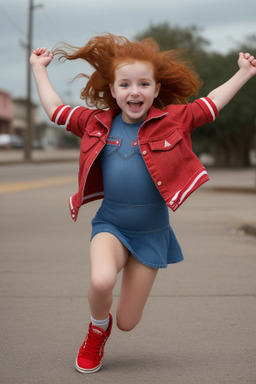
<point>199,324</point>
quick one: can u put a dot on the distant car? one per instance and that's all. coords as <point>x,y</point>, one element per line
<point>13,141</point>
<point>5,140</point>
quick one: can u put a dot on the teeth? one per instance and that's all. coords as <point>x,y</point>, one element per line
<point>135,105</point>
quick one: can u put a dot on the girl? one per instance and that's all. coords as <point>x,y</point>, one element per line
<point>135,154</point>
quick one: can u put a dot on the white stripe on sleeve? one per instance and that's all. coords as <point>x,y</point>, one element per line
<point>69,116</point>
<point>60,112</point>
<point>209,107</point>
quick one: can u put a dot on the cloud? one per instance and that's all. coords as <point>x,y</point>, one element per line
<point>224,23</point>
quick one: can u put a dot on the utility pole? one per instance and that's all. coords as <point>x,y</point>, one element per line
<point>254,157</point>
<point>29,130</point>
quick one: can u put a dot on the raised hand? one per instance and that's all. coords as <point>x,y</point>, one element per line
<point>41,56</point>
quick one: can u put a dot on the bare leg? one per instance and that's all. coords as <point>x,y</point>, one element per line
<point>108,256</point>
<point>137,282</point>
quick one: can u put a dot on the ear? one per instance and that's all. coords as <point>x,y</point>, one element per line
<point>158,86</point>
<point>111,86</point>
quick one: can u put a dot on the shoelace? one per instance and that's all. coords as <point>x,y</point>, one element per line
<point>92,345</point>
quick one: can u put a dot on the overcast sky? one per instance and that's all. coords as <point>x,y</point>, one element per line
<point>224,23</point>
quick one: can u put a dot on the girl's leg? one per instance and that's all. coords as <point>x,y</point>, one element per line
<point>108,256</point>
<point>137,282</point>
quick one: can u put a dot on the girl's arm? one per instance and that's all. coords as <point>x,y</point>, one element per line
<point>223,94</point>
<point>39,60</point>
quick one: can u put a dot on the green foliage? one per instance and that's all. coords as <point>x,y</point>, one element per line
<point>168,37</point>
<point>231,136</point>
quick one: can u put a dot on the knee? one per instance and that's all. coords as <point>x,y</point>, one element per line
<point>102,284</point>
<point>126,324</point>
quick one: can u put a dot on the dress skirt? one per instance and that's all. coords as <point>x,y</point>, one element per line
<point>143,229</point>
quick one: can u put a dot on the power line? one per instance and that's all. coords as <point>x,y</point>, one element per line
<point>52,24</point>
<point>49,34</point>
<point>11,21</point>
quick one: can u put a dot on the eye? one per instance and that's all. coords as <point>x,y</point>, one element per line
<point>145,84</point>
<point>124,85</point>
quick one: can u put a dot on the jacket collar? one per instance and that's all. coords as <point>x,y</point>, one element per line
<point>154,113</point>
<point>106,117</point>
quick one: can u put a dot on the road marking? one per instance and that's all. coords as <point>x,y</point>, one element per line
<point>28,185</point>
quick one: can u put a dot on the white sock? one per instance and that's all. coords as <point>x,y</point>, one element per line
<point>103,324</point>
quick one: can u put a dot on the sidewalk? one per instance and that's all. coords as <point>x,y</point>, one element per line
<point>12,156</point>
<point>233,183</point>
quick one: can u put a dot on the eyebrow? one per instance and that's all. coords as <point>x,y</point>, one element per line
<point>141,79</point>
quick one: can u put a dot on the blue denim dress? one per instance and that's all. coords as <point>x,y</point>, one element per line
<point>133,209</point>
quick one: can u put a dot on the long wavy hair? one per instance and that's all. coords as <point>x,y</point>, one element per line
<point>106,52</point>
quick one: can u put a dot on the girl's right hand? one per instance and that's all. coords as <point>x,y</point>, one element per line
<point>41,56</point>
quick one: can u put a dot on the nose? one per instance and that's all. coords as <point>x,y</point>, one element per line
<point>135,90</point>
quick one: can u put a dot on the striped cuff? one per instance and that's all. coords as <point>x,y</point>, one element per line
<point>62,115</point>
<point>209,107</point>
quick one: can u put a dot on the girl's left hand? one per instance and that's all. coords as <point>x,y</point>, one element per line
<point>248,62</point>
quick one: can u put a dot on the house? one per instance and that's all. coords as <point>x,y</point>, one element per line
<point>5,113</point>
<point>13,124</point>
<point>20,117</point>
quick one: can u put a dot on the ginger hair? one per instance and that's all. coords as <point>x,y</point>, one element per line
<point>105,53</point>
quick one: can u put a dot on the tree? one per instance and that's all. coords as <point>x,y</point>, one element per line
<point>230,137</point>
<point>186,39</point>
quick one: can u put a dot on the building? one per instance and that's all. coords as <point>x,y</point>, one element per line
<point>6,112</point>
<point>13,124</point>
<point>20,117</point>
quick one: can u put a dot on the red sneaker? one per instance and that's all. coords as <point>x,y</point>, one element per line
<point>91,352</point>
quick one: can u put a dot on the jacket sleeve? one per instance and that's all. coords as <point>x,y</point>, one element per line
<point>196,114</point>
<point>74,119</point>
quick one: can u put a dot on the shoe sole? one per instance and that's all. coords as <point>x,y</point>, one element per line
<point>93,370</point>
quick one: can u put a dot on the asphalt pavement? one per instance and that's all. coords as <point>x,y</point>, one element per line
<point>199,323</point>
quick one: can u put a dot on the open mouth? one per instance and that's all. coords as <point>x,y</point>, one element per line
<point>135,105</point>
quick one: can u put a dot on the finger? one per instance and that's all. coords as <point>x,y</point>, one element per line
<point>36,51</point>
<point>39,51</point>
<point>253,63</point>
<point>49,53</point>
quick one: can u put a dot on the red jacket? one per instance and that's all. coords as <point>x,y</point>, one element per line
<point>165,145</point>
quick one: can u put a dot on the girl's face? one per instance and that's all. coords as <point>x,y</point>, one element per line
<point>134,89</point>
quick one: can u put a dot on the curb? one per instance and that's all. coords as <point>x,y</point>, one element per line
<point>233,189</point>
<point>37,161</point>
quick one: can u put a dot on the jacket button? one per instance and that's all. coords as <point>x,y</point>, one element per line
<point>144,152</point>
<point>159,183</point>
